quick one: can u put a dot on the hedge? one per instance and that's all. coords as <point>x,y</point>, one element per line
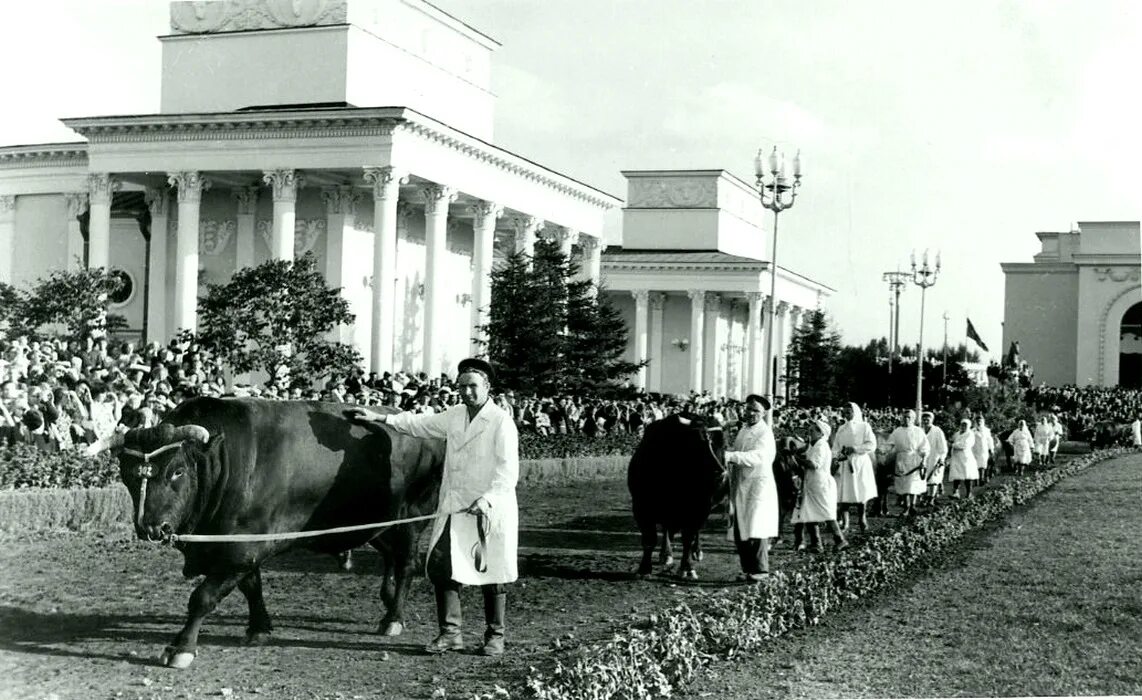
<point>663,653</point>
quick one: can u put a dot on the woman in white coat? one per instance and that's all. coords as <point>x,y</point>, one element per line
<point>818,502</point>
<point>1021,442</point>
<point>982,448</point>
<point>910,445</point>
<point>937,454</point>
<point>1043,435</point>
<point>962,468</point>
<point>478,546</point>
<point>753,492</point>
<point>854,445</point>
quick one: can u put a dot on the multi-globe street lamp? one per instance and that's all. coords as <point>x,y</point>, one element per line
<point>923,276</point>
<point>777,195</point>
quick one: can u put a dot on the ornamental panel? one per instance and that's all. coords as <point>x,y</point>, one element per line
<point>673,192</point>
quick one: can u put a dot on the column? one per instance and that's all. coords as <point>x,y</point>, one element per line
<point>340,216</point>
<point>190,186</point>
<point>7,236</point>
<point>484,219</point>
<point>713,348</point>
<point>592,249</point>
<point>157,201</point>
<point>779,337</point>
<point>386,184</point>
<point>526,228</point>
<point>436,201</point>
<point>564,238</point>
<point>101,188</point>
<point>655,352</point>
<point>754,344</point>
<point>76,204</point>
<point>697,330</point>
<point>641,312</point>
<point>247,198</point>
<point>286,183</point>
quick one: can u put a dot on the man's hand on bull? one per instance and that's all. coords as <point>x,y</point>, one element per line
<point>480,506</point>
<point>364,415</point>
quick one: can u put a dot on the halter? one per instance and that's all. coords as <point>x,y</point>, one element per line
<point>144,470</point>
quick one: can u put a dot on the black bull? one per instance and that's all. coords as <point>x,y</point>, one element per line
<point>275,467</point>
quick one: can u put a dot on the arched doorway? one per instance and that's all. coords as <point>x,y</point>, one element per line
<point>1130,348</point>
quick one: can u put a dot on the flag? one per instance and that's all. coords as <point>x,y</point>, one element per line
<point>975,336</point>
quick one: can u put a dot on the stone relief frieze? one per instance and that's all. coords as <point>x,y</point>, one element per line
<point>239,15</point>
<point>1117,274</point>
<point>214,235</point>
<point>673,192</point>
<point>305,234</point>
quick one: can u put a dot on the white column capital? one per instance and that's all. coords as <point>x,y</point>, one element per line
<point>658,301</point>
<point>285,181</point>
<point>641,296</point>
<point>437,198</point>
<point>101,187</point>
<point>697,297</point>
<point>755,297</point>
<point>713,301</point>
<point>247,198</point>
<point>589,243</point>
<point>782,308</point>
<point>190,183</point>
<point>386,181</point>
<point>156,199</point>
<point>485,213</point>
<point>525,223</point>
<point>77,203</point>
<point>341,199</point>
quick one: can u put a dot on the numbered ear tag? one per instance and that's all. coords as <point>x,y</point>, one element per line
<point>145,470</point>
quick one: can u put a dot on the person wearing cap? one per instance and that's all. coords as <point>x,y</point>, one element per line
<point>753,491</point>
<point>477,504</point>
<point>910,446</point>
<point>854,444</point>
<point>937,454</point>
<point>818,501</point>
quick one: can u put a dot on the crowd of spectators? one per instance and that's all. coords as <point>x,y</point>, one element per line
<point>60,394</point>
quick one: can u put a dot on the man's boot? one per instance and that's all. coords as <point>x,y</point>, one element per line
<point>449,617</point>
<point>495,606</point>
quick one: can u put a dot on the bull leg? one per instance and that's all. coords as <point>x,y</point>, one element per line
<point>686,569</point>
<point>259,628</point>
<point>398,575</point>
<point>649,537</point>
<point>698,547</point>
<point>666,556</point>
<point>345,560</point>
<point>181,652</point>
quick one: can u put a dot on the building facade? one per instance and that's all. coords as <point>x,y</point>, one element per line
<point>1076,310</point>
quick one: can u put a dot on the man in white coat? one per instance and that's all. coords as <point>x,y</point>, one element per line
<point>753,492</point>
<point>937,455</point>
<point>476,547</point>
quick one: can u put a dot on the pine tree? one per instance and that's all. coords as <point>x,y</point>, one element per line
<point>596,342</point>
<point>812,361</point>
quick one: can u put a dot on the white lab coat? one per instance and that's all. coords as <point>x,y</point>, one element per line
<point>983,446</point>
<point>962,466</point>
<point>856,482</point>
<point>911,448</point>
<point>481,460</point>
<point>819,490</point>
<point>937,455</point>
<point>753,491</point>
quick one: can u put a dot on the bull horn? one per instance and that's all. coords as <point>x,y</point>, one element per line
<point>191,432</point>
<point>103,444</point>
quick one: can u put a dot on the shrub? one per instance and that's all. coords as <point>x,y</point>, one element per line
<point>534,446</point>
<point>657,658</point>
<point>24,466</point>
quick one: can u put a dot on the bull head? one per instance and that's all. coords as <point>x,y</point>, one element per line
<point>158,467</point>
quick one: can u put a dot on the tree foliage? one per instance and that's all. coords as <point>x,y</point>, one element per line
<point>10,300</point>
<point>276,318</point>
<point>73,299</point>
<point>813,361</point>
<point>549,332</point>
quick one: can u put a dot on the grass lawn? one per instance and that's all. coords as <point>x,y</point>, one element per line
<point>1046,602</point>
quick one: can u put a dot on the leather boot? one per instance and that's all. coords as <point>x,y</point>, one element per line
<point>495,606</point>
<point>450,618</point>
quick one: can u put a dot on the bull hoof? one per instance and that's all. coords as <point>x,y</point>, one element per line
<point>390,629</point>
<point>700,556</point>
<point>256,639</point>
<point>689,575</point>
<point>345,560</point>
<point>176,659</point>
<point>667,562</point>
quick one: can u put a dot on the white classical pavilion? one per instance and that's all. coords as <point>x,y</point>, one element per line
<point>693,280</point>
<point>1076,310</point>
<point>358,130</point>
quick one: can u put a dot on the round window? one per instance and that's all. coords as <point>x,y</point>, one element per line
<point>126,290</point>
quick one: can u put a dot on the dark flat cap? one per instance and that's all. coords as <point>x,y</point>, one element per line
<point>475,363</point>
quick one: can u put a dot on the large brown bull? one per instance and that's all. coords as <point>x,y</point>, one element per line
<point>249,466</point>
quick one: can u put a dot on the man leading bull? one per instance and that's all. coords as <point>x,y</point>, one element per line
<point>481,466</point>
<point>753,491</point>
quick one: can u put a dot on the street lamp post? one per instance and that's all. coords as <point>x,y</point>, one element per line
<point>944,382</point>
<point>776,196</point>
<point>896,283</point>
<point>923,277</point>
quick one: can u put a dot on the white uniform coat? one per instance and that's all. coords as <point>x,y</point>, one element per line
<point>819,490</point>
<point>482,460</point>
<point>911,448</point>
<point>962,466</point>
<point>856,482</point>
<point>937,455</point>
<point>1044,433</point>
<point>983,446</point>
<point>1021,441</point>
<point>753,491</point>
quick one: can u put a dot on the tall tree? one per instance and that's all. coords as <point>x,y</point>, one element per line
<point>812,360</point>
<point>74,299</point>
<point>595,355</point>
<point>10,300</point>
<point>276,318</point>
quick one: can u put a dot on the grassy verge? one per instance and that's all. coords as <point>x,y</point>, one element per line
<point>1045,602</point>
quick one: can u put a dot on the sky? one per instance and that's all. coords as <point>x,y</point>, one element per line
<point>957,127</point>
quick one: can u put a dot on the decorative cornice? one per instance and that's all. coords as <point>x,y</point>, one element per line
<point>44,155</point>
<point>101,187</point>
<point>1118,274</point>
<point>615,265</point>
<point>340,200</point>
<point>190,183</point>
<point>246,15</point>
<point>386,181</point>
<point>286,182</point>
<point>247,198</point>
<point>76,203</point>
<point>437,198</point>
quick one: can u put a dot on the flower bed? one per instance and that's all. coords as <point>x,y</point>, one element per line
<point>659,656</point>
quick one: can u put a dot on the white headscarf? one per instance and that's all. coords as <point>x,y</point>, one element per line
<point>858,417</point>
<point>824,427</point>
